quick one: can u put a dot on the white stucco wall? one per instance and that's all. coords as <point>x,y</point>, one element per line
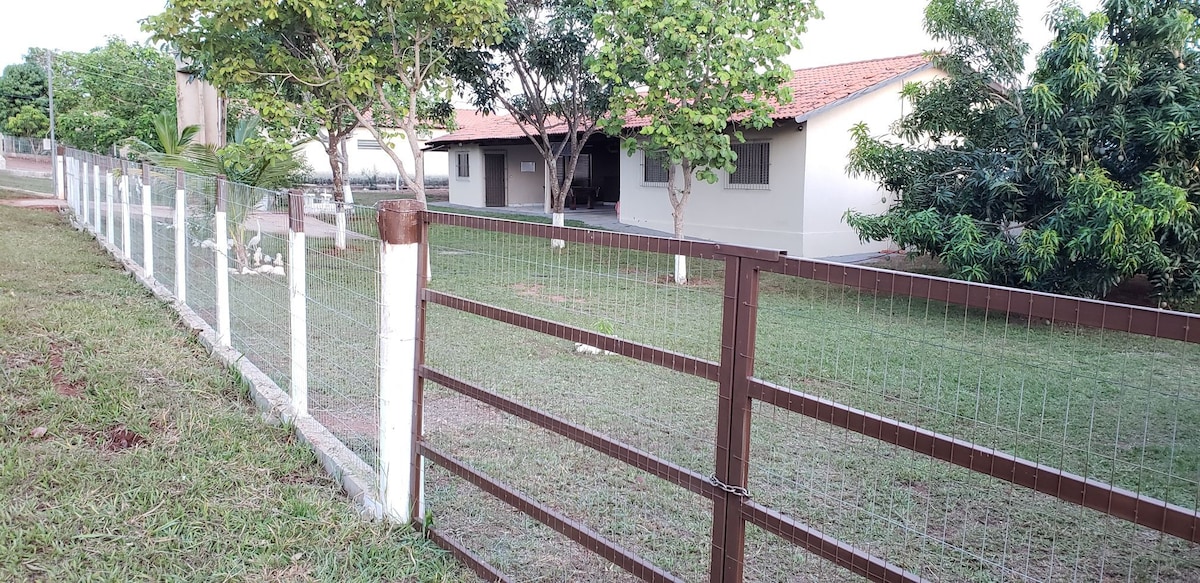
<point>363,161</point>
<point>523,188</point>
<point>829,192</point>
<point>769,217</point>
<point>466,191</point>
<point>809,193</point>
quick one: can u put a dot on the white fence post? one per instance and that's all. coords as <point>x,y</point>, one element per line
<point>147,222</point>
<point>181,249</point>
<point>96,198</point>
<point>400,275</point>
<point>221,247</point>
<point>126,237</point>
<point>60,172</point>
<point>70,176</point>
<point>298,308</point>
<point>108,195</point>
<point>85,216</point>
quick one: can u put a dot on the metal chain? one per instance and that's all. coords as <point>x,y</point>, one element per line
<point>735,490</point>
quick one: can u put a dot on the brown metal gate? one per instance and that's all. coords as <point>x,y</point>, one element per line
<point>739,387</point>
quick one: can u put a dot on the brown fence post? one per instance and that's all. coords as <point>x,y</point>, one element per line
<point>733,419</point>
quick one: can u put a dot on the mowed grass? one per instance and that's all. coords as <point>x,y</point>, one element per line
<point>43,185</point>
<point>1114,407</point>
<point>127,454</point>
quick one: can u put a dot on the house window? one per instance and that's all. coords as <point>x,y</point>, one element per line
<point>753,166</point>
<point>369,145</point>
<point>583,170</point>
<point>463,164</point>
<point>654,168</point>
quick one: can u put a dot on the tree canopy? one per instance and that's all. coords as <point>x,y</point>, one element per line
<point>1072,183</point>
<point>23,85</point>
<point>546,47</point>
<point>111,92</point>
<point>689,68</point>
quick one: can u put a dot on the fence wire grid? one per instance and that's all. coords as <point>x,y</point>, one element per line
<point>1113,407</point>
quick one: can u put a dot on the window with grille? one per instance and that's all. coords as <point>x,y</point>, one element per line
<point>463,164</point>
<point>583,170</point>
<point>654,168</point>
<point>753,166</point>
<point>369,145</point>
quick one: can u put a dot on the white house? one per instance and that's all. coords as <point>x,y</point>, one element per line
<point>367,160</point>
<point>790,190</point>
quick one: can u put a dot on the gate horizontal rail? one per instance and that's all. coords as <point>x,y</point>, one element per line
<point>590,539</point>
<point>733,509</point>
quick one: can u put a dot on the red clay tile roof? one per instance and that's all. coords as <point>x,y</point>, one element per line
<point>812,89</point>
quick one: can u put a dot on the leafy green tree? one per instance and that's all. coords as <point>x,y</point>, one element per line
<point>271,60</point>
<point>383,61</point>
<point>546,48</point>
<point>29,122</point>
<point>21,85</point>
<point>688,68</point>
<point>112,92</point>
<point>170,140</point>
<point>1074,183</point>
<point>403,62</point>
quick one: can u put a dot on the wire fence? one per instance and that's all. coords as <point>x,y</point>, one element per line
<point>582,412</point>
<point>166,222</point>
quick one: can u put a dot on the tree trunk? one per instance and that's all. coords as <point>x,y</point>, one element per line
<point>679,198</point>
<point>333,150</point>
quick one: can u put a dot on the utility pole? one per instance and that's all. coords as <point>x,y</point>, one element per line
<point>53,141</point>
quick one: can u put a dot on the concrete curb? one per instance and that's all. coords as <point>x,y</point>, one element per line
<point>355,476</point>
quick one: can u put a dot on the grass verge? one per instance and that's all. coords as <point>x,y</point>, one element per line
<point>10,180</point>
<point>126,454</point>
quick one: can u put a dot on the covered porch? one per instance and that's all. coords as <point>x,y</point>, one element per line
<point>492,170</point>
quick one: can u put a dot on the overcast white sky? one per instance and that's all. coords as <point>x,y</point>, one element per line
<point>852,29</point>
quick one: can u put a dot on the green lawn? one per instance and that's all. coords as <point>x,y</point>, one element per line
<point>1111,406</point>
<point>127,454</point>
<point>43,185</point>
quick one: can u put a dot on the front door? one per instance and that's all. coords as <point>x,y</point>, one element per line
<point>494,191</point>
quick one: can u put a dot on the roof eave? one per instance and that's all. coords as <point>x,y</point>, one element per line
<point>873,88</point>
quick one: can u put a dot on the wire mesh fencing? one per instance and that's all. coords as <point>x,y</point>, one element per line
<point>179,213</point>
<point>765,418</point>
<point>342,297</point>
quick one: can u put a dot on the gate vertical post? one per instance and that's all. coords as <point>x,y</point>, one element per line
<point>400,276</point>
<point>181,248</point>
<point>733,419</point>
<point>298,303</point>
<point>221,248</point>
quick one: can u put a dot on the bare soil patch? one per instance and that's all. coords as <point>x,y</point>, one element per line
<point>121,438</point>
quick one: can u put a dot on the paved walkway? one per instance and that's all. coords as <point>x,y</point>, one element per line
<point>602,217</point>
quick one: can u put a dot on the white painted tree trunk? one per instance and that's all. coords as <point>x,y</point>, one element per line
<point>339,234</point>
<point>559,220</point>
<point>681,269</point>
<point>347,194</point>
